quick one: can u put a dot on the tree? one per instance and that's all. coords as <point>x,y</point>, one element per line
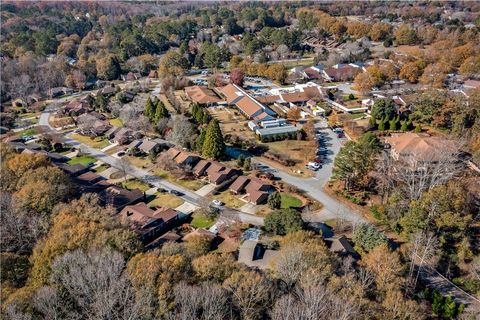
<point>214,145</point>
<point>385,265</point>
<point>274,200</point>
<point>150,108</point>
<point>214,267</point>
<point>237,76</point>
<point>160,112</point>
<point>182,131</point>
<point>283,221</point>
<point>200,141</point>
<point>250,291</point>
<point>108,68</point>
<point>405,35</point>
<point>172,63</point>
<point>101,102</point>
<point>412,71</point>
<point>418,128</point>
<point>368,237</point>
<point>383,108</point>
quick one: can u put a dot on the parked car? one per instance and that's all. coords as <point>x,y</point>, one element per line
<point>161,190</point>
<point>217,203</point>
<point>176,192</point>
<point>314,166</point>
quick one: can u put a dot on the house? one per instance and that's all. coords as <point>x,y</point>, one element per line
<point>202,95</point>
<point>248,106</point>
<point>273,128</point>
<point>342,72</point>
<point>169,236</point>
<point>33,98</point>
<point>88,178</point>
<point>217,173</point>
<point>183,158</point>
<point>123,136</point>
<point>89,125</point>
<point>150,145</point>
<point>76,107</point>
<point>421,147</point>
<point>255,255</point>
<point>73,170</point>
<point>148,223</point>
<point>341,246</point>
<point>298,94</point>
<point>108,91</point>
<point>256,189</point>
<point>111,132</point>
<point>153,74</point>
<point>118,197</point>
<point>131,76</point>
<point>134,144</point>
<point>200,232</point>
<point>201,167</point>
<point>59,91</point>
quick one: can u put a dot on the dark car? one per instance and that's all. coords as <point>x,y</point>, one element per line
<point>176,192</point>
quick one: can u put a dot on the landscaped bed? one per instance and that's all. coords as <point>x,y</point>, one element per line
<point>85,160</point>
<point>98,142</point>
<point>166,200</point>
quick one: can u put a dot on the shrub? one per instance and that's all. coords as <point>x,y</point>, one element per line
<point>284,221</point>
<point>368,237</point>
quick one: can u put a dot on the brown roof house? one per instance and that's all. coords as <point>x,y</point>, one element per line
<point>73,170</point>
<point>182,158</point>
<point>148,223</point>
<point>76,107</point>
<point>248,105</point>
<point>89,124</point>
<point>217,173</point>
<point>420,147</point>
<point>254,254</point>
<point>342,72</point>
<point>202,95</point>
<point>200,232</point>
<point>123,136</point>
<point>118,197</point>
<point>341,246</point>
<point>257,190</point>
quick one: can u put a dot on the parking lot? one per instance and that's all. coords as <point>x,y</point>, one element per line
<point>328,140</point>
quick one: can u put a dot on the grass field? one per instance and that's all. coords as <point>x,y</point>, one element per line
<point>135,184</point>
<point>201,221</point>
<point>101,168</point>
<point>27,132</point>
<point>97,143</point>
<point>193,185</point>
<point>165,200</point>
<point>116,122</point>
<point>290,201</point>
<point>229,199</point>
<point>28,114</point>
<point>85,160</point>
<point>141,162</point>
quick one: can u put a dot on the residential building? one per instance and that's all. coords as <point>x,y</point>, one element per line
<point>255,255</point>
<point>202,95</point>
<point>342,72</point>
<point>148,223</point>
<point>271,128</point>
<point>256,189</point>
<point>73,170</point>
<point>118,197</point>
<point>248,105</point>
<point>218,173</point>
<point>200,232</point>
<point>341,246</point>
<point>421,147</point>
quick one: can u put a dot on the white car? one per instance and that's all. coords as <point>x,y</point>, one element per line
<point>313,166</point>
<point>217,203</point>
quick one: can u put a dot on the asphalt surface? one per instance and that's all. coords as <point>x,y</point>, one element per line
<point>332,209</point>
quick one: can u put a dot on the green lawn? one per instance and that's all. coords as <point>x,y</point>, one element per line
<point>101,168</point>
<point>354,116</point>
<point>201,221</point>
<point>85,160</point>
<point>229,199</point>
<point>27,132</point>
<point>292,64</point>
<point>165,200</point>
<point>98,142</point>
<point>135,184</point>
<point>116,122</point>
<point>28,115</point>
<point>289,201</point>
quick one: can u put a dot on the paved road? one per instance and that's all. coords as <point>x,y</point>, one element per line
<point>332,209</point>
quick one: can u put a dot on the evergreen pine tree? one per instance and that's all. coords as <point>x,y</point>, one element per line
<point>205,117</point>
<point>418,128</point>
<point>214,145</point>
<point>449,307</point>
<point>101,102</point>
<point>437,303</point>
<point>200,141</point>
<point>404,127</point>
<point>393,124</point>
<point>160,112</point>
<point>274,200</point>
<point>381,125</point>
<point>148,108</point>
<point>247,164</point>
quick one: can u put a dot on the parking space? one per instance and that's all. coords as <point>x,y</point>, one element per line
<point>329,143</point>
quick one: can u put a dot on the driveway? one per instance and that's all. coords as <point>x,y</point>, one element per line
<point>332,208</point>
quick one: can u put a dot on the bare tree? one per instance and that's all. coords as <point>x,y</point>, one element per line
<point>422,250</point>
<point>182,131</point>
<point>96,281</point>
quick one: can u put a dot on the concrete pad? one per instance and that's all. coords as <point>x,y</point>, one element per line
<point>151,191</point>
<point>110,147</point>
<point>205,190</point>
<point>186,208</point>
<point>106,173</point>
<point>248,208</point>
